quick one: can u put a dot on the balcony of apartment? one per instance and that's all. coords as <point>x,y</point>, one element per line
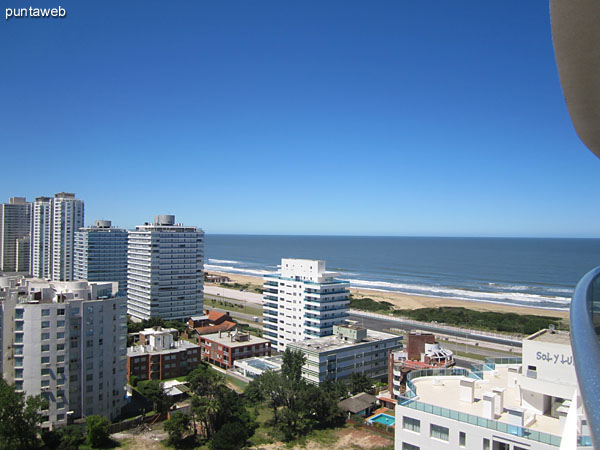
<point>270,297</point>
<point>269,312</point>
<point>432,390</point>
<point>267,290</point>
<point>314,301</point>
<point>270,305</point>
<point>319,293</point>
<point>585,335</point>
<point>271,283</point>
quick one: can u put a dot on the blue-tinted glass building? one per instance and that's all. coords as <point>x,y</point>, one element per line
<point>100,254</point>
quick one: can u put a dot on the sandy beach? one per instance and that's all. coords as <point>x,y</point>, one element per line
<point>407,301</point>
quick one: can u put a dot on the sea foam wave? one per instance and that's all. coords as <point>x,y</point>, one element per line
<point>459,294</point>
<point>231,269</point>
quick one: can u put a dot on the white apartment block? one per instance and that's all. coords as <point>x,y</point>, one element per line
<point>302,301</point>
<point>41,238</point>
<point>67,212</point>
<point>501,405</point>
<point>15,224</point>
<point>350,349</point>
<point>165,270</point>
<point>65,341</point>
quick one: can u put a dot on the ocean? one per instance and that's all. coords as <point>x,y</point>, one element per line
<point>531,272</point>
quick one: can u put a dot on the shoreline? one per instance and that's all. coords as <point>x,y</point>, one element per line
<point>412,301</point>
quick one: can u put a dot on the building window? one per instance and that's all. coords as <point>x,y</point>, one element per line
<point>439,432</point>
<point>18,313</point>
<point>45,336</point>
<point>486,444</point>
<point>46,324</point>
<point>45,348</point>
<point>45,312</point>
<point>462,438</point>
<point>45,359</point>
<point>410,424</point>
<point>407,446</point>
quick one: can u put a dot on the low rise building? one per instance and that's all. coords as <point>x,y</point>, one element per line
<point>421,352</point>
<point>159,356</point>
<point>250,368</point>
<point>211,322</point>
<point>504,404</point>
<point>350,349</point>
<point>223,349</point>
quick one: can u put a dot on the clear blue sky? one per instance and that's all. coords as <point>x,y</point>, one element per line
<point>305,117</point>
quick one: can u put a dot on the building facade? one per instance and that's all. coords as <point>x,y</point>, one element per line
<point>504,404</point>
<point>67,218</point>
<point>15,224</point>
<point>350,349</point>
<point>41,238</point>
<point>165,264</point>
<point>100,254</point>
<point>65,341</point>
<point>159,356</point>
<point>223,349</point>
<point>302,301</point>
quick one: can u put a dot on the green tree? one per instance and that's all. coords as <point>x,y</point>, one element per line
<point>20,419</point>
<point>292,363</point>
<point>359,382</point>
<point>178,426</point>
<point>97,431</point>
<point>154,392</point>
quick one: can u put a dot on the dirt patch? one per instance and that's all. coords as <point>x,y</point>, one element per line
<point>142,438</point>
<point>348,438</point>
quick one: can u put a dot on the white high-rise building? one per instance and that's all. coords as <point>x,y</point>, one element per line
<point>65,341</point>
<point>101,254</point>
<point>41,238</point>
<point>302,301</point>
<point>165,270</point>
<point>67,218</point>
<point>15,224</point>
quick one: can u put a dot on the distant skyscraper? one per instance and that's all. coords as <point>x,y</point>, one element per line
<point>302,301</point>
<point>67,219</point>
<point>41,238</point>
<point>15,224</point>
<point>101,254</point>
<point>165,270</point>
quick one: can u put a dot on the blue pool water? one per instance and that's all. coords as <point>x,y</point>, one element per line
<point>384,419</point>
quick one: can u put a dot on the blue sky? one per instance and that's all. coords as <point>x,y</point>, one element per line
<point>312,117</point>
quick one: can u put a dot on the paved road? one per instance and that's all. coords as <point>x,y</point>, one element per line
<point>249,297</point>
<point>375,323</point>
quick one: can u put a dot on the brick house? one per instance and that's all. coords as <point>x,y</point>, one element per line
<point>161,357</point>
<point>222,349</point>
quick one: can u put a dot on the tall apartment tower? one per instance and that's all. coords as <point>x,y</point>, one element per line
<point>67,218</point>
<point>15,224</point>
<point>65,341</point>
<point>100,254</point>
<point>41,238</point>
<point>165,263</point>
<point>302,301</point>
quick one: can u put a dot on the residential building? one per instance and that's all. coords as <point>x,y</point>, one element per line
<point>15,224</point>
<point>211,322</point>
<point>159,356</point>
<point>421,352</point>
<point>67,218</point>
<point>302,301</point>
<point>504,404</point>
<point>350,349</point>
<point>165,264</point>
<point>100,254</point>
<point>65,341</point>
<point>41,238</point>
<point>251,368</point>
<point>223,349</point>
<point>23,254</point>
<point>361,404</point>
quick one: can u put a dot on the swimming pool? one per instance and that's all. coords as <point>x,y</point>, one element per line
<point>384,419</point>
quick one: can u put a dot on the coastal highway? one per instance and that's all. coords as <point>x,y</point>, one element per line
<point>378,323</point>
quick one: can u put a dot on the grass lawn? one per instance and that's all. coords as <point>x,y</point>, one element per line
<point>233,305</point>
